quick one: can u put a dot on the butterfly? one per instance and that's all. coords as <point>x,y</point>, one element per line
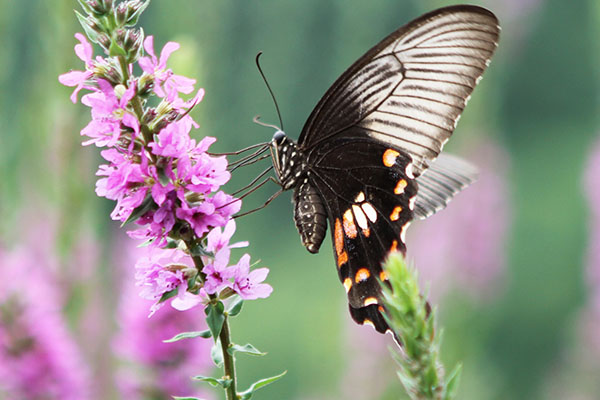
<point>368,161</point>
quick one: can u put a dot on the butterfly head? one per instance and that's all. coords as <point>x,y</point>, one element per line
<point>288,160</point>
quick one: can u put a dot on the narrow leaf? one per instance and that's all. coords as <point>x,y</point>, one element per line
<point>115,50</point>
<point>189,335</point>
<point>167,295</point>
<point>216,354</point>
<point>225,383</point>
<point>198,250</point>
<point>236,306</point>
<point>187,398</point>
<point>452,383</point>
<point>246,395</point>
<point>89,32</point>
<point>247,349</point>
<point>215,318</point>
<point>140,210</point>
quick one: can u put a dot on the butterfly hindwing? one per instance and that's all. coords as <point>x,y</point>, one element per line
<point>368,198</point>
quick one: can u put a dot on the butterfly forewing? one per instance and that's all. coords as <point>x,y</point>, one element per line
<point>409,90</point>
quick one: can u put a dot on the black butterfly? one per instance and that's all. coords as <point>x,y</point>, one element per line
<point>367,158</point>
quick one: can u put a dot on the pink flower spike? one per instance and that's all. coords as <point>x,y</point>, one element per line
<point>248,284</point>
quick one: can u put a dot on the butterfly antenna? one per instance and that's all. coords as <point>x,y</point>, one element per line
<point>269,88</point>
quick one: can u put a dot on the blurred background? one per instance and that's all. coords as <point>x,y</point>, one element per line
<point>513,264</point>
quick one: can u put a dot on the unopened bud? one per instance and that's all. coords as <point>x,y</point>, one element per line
<point>145,85</point>
<point>121,14</point>
<point>134,10</point>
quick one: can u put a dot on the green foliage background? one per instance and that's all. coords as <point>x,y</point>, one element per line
<point>539,98</point>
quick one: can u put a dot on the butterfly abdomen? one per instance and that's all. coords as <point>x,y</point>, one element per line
<point>310,216</point>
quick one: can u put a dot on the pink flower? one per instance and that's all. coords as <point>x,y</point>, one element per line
<point>218,241</point>
<point>248,283</point>
<point>212,212</point>
<point>173,140</point>
<point>218,276</point>
<point>156,278</point>
<point>78,78</point>
<point>108,112</point>
<point>167,84</point>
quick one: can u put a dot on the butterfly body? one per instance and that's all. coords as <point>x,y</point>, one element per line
<point>368,159</point>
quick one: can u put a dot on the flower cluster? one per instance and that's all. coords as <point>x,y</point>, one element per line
<point>39,358</point>
<point>161,179</point>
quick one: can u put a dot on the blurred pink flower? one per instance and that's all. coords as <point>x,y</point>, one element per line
<point>463,246</point>
<point>38,357</point>
<point>590,318</point>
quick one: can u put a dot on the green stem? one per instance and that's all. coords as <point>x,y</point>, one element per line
<point>228,360</point>
<point>225,335</point>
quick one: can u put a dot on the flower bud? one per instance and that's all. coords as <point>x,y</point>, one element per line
<point>121,14</point>
<point>134,9</point>
<point>145,86</point>
<point>100,8</point>
<point>104,41</point>
<point>132,44</point>
<point>106,69</point>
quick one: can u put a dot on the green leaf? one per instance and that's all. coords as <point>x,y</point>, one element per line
<point>216,353</point>
<point>215,318</point>
<point>187,398</point>
<point>85,6</point>
<point>115,50</point>
<point>247,349</point>
<point>167,295</point>
<point>189,335</point>
<point>235,306</point>
<point>224,383</point>
<point>246,395</point>
<point>89,32</point>
<point>140,210</point>
<point>198,250</point>
<point>171,244</point>
<point>452,383</point>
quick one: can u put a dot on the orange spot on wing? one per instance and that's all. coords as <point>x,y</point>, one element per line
<point>366,232</point>
<point>394,246</point>
<point>389,157</point>
<point>362,275</point>
<point>370,300</point>
<point>342,258</point>
<point>395,215</point>
<point>338,236</point>
<point>348,284</point>
<point>383,276</point>
<point>348,223</point>
<point>399,189</point>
